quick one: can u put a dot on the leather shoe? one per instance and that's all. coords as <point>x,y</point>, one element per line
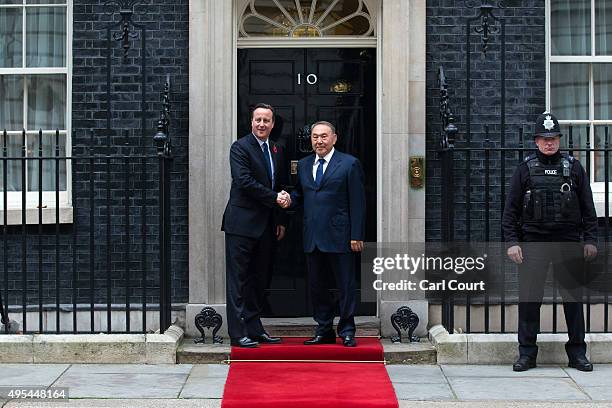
<point>318,339</point>
<point>266,338</point>
<point>243,342</point>
<point>349,341</point>
<point>581,364</point>
<point>524,363</point>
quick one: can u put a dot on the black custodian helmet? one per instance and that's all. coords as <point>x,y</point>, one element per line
<point>547,125</point>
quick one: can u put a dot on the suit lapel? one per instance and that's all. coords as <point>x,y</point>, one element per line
<point>331,167</point>
<point>262,160</point>
<point>306,167</point>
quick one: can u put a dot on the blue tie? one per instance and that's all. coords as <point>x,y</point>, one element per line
<point>268,163</point>
<point>319,175</point>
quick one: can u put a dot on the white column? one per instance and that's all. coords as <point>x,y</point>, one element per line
<point>211,125</point>
<point>403,135</point>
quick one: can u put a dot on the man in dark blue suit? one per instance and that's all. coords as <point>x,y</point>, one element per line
<point>252,221</point>
<point>331,188</point>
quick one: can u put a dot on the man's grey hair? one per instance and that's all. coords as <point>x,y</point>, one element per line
<point>323,122</point>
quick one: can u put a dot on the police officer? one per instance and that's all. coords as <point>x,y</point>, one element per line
<point>549,217</point>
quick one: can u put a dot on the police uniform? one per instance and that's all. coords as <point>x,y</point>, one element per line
<point>549,213</point>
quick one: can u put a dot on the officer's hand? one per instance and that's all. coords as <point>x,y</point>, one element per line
<point>515,253</point>
<point>590,252</point>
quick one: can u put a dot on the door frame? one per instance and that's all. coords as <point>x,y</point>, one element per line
<point>401,130</point>
<point>327,42</point>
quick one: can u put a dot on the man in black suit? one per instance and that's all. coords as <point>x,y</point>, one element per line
<point>331,188</point>
<point>252,221</point>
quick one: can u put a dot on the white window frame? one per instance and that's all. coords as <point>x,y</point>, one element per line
<point>14,198</point>
<point>597,187</point>
<point>242,7</point>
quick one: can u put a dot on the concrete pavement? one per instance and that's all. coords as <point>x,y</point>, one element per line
<point>201,385</point>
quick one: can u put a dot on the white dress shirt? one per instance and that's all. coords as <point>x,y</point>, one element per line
<point>315,165</point>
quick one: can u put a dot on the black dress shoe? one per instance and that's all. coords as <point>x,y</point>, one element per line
<point>349,341</point>
<point>581,364</point>
<point>317,339</point>
<point>243,342</point>
<point>524,363</point>
<point>266,338</point>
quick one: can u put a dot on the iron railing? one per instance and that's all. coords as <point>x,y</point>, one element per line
<point>475,168</point>
<point>114,253</point>
<point>474,215</point>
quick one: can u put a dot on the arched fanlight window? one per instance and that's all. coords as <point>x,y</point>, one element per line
<point>306,18</point>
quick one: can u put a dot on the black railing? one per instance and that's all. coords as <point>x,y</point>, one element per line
<point>475,167</point>
<point>96,260</point>
<point>488,180</point>
<point>484,225</point>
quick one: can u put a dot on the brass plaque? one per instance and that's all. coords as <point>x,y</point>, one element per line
<point>417,172</point>
<point>294,166</point>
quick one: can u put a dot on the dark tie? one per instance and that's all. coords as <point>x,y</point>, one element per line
<point>268,162</point>
<point>319,175</point>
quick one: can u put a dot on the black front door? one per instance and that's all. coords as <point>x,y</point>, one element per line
<point>304,86</point>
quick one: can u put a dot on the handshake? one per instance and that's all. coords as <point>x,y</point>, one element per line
<point>283,199</point>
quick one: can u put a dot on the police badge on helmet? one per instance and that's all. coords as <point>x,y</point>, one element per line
<point>547,125</point>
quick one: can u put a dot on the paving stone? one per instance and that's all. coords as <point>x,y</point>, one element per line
<point>81,369</point>
<point>121,403</point>
<point>30,374</point>
<point>599,377</point>
<point>407,391</point>
<point>505,370</point>
<point>122,385</point>
<point>603,393</point>
<point>209,370</point>
<point>416,374</point>
<point>534,389</point>
<point>498,404</point>
<point>203,387</point>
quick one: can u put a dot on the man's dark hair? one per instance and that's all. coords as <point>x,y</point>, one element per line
<point>263,106</point>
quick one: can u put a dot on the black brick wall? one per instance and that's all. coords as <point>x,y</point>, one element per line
<point>525,98</point>
<point>166,53</point>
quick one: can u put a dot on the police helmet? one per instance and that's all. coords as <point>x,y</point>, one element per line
<point>547,125</point>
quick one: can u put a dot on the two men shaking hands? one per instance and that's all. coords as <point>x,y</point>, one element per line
<point>330,188</point>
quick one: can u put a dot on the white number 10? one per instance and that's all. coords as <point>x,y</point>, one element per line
<point>311,79</point>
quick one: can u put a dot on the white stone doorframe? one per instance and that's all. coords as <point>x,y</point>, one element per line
<point>212,95</point>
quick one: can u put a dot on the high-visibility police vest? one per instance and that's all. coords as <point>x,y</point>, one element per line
<point>551,198</point>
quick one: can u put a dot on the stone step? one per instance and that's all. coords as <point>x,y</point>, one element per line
<point>403,353</point>
<point>305,326</point>
<point>421,352</point>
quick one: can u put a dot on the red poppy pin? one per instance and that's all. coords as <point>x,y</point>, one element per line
<point>274,149</point>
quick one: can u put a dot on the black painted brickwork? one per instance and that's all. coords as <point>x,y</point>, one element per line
<point>525,98</point>
<point>166,53</point>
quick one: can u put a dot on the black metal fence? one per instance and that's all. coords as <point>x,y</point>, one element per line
<point>473,196</point>
<point>476,164</point>
<point>475,176</point>
<point>111,257</point>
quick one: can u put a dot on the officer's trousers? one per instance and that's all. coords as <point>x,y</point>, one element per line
<point>567,259</point>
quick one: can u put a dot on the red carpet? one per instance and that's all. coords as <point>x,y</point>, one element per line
<point>309,384</point>
<point>292,348</point>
